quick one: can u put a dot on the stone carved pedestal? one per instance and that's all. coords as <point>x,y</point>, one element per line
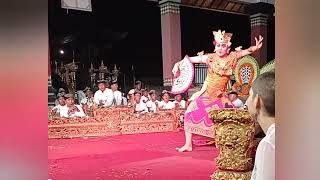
<point>234,133</point>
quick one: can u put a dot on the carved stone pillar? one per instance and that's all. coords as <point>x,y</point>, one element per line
<point>234,133</point>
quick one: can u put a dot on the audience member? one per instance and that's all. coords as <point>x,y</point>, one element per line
<point>261,105</point>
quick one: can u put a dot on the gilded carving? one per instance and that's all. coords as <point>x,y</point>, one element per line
<point>234,133</point>
<point>113,121</point>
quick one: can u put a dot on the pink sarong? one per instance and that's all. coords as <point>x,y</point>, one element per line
<point>196,118</point>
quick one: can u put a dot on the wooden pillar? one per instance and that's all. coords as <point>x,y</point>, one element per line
<point>171,37</point>
<point>259,14</point>
<point>259,26</point>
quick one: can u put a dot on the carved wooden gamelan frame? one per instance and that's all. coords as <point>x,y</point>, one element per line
<point>114,121</point>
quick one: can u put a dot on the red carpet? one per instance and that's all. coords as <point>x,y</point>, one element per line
<point>141,156</point>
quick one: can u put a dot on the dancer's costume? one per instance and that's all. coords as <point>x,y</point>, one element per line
<point>219,71</point>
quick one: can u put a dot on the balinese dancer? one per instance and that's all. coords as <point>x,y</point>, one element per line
<point>221,65</point>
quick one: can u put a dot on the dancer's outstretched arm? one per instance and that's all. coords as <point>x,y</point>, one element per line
<point>201,58</point>
<point>251,49</point>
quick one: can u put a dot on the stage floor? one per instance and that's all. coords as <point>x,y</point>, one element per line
<point>141,156</point>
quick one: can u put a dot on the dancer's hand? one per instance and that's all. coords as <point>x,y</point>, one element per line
<point>258,43</point>
<point>175,68</point>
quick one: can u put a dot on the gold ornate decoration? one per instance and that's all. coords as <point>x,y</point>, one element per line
<point>163,121</point>
<point>234,133</point>
<point>113,121</point>
<point>222,37</point>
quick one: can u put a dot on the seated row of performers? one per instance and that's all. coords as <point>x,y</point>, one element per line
<point>142,101</point>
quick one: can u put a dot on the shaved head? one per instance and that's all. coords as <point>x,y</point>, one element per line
<point>264,86</point>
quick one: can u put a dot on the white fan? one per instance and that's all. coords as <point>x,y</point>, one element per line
<point>183,77</point>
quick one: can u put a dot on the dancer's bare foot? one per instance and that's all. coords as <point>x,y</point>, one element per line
<point>184,148</point>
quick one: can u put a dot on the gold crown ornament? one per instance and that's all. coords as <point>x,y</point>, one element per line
<point>222,37</point>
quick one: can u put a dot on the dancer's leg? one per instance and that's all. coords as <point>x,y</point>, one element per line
<point>188,144</point>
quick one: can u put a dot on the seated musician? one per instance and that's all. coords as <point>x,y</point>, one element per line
<point>130,98</point>
<point>71,109</point>
<point>61,92</point>
<point>153,103</point>
<point>139,106</point>
<point>145,95</point>
<point>104,96</point>
<point>233,97</point>
<point>179,102</point>
<point>61,103</point>
<point>165,103</point>
<point>87,102</point>
<point>124,100</point>
<point>117,95</point>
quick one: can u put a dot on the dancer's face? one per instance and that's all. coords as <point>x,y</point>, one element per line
<point>222,49</point>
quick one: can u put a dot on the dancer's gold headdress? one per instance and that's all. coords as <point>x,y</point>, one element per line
<point>222,37</point>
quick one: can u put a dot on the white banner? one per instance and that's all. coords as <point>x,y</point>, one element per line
<point>82,5</point>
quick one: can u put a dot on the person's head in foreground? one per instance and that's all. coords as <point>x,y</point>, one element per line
<point>137,96</point>
<point>165,96</point>
<point>102,85</point>
<point>69,99</point>
<point>153,95</point>
<point>261,100</point>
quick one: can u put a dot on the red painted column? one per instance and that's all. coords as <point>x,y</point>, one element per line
<point>259,26</point>
<point>171,37</point>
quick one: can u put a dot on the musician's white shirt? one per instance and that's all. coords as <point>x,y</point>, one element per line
<point>58,108</point>
<point>168,105</point>
<point>105,97</point>
<point>141,107</point>
<point>182,103</point>
<point>117,98</point>
<point>238,103</point>
<point>152,105</point>
<point>144,99</point>
<point>64,112</point>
